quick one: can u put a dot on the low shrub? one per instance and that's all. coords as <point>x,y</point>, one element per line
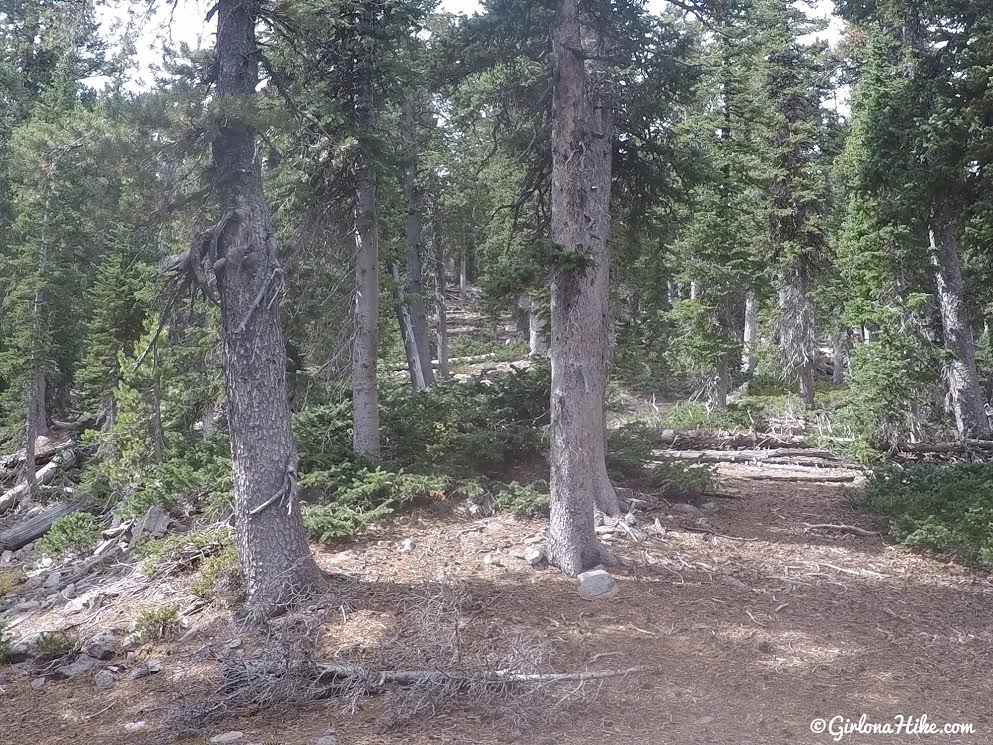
<point>10,579</point>
<point>946,509</point>
<point>522,499</point>
<point>73,532</point>
<point>52,645</point>
<point>742,415</point>
<point>183,550</point>
<point>5,640</point>
<point>157,623</point>
<point>215,571</point>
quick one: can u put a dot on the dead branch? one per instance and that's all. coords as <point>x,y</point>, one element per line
<point>66,458</point>
<point>378,679</point>
<point>35,526</point>
<point>840,528</point>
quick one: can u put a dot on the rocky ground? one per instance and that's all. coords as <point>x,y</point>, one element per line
<point>750,623</point>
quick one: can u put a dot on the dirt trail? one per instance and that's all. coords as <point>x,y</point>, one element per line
<point>756,633</point>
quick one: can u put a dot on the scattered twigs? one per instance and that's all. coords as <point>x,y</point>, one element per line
<point>708,531</point>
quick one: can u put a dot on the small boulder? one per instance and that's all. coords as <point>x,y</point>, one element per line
<point>38,682</point>
<point>407,545</point>
<point>227,737</point>
<point>103,645</point>
<point>710,508</point>
<point>687,509</point>
<point>146,668</point>
<point>7,556</point>
<point>326,739</point>
<point>597,584</point>
<point>136,726</point>
<point>82,664</point>
<point>535,556</point>
<point>103,679</point>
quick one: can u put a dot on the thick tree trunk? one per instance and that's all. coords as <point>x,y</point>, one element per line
<point>414,284</point>
<point>537,331</point>
<point>522,317</point>
<point>582,134</point>
<point>796,331</point>
<point>717,393</point>
<point>36,425</point>
<point>963,381</point>
<point>440,300</point>
<point>365,349</point>
<point>272,549</point>
<point>749,360</point>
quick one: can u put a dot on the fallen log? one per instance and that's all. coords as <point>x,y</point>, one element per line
<point>339,673</point>
<point>67,458</point>
<point>784,456</point>
<point>839,528</point>
<point>813,478</point>
<point>470,360</point>
<point>35,526</point>
<point>45,449</point>
<point>960,446</point>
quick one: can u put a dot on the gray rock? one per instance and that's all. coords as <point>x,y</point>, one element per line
<point>407,545</point>
<point>69,591</point>
<point>103,679</point>
<point>326,740</point>
<point>82,664</point>
<point>52,580</point>
<point>631,519</point>
<point>234,643</point>
<point>23,649</point>
<point>131,642</point>
<point>687,509</point>
<point>597,584</point>
<point>103,645</point>
<point>710,508</point>
<point>493,559</point>
<point>189,636</point>
<point>28,605</point>
<point>233,736</point>
<point>7,556</point>
<point>136,726</point>
<point>38,682</point>
<point>535,556</point>
<point>149,667</point>
<point>47,561</point>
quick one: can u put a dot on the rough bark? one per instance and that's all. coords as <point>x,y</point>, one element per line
<point>272,549</point>
<point>36,424</point>
<point>717,393</point>
<point>365,349</point>
<point>749,360</point>
<point>440,301</point>
<point>795,327</point>
<point>414,282</point>
<point>963,380</point>
<point>581,161</point>
<point>35,526</point>
<point>522,317</point>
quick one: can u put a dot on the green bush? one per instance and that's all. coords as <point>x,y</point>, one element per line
<point>5,641</point>
<point>157,623</point>
<point>212,571</point>
<point>629,456</point>
<point>184,549</point>
<point>52,645</point>
<point>195,474</point>
<point>944,509</point>
<point>689,415</point>
<point>73,532</point>
<point>521,499</point>
<point>358,496</point>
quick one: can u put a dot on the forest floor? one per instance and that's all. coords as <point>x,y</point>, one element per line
<point>756,628</point>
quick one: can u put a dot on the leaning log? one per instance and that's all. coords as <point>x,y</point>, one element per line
<point>35,526</point>
<point>67,459</point>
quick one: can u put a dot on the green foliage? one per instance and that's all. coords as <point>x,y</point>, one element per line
<point>360,496</point>
<point>185,549</point>
<point>679,478</point>
<point>630,458</point>
<point>196,474</point>
<point>10,579</point>
<point>740,415</point>
<point>52,645</point>
<point>73,532</point>
<point>5,640</point>
<point>153,624</point>
<point>946,509</point>
<point>214,570</point>
<point>522,499</point>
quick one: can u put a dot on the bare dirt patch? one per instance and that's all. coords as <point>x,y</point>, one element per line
<point>756,624</point>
